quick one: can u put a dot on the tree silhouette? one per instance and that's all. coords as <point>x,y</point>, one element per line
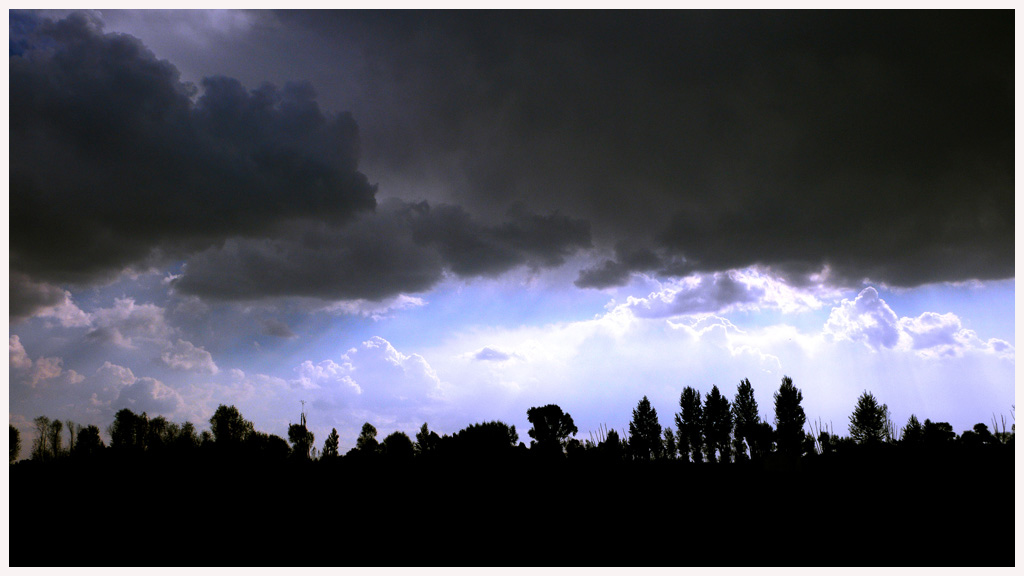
<point>55,431</point>
<point>228,427</point>
<point>745,417</point>
<point>551,428</point>
<point>266,447</point>
<point>88,443</point>
<point>489,440</point>
<point>717,426</point>
<point>397,447</point>
<point>690,424</point>
<point>938,434</point>
<point>913,433</point>
<point>645,431</point>
<point>610,448</point>
<point>159,433</point>
<point>869,421</point>
<point>367,443</point>
<point>187,439</point>
<point>669,443</point>
<point>40,447</point>
<point>762,440</point>
<point>14,447</point>
<point>426,441</point>
<point>978,437</point>
<point>789,419</point>
<point>331,444</point>
<point>301,439</point>
<point>72,433</point>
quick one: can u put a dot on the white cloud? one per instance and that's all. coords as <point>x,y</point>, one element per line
<point>385,371</point>
<point>126,322</point>
<point>185,356</point>
<point>314,376</point>
<point>19,359</point>
<point>867,319</point>
<point>44,372</point>
<point>151,396</point>
<point>67,313</point>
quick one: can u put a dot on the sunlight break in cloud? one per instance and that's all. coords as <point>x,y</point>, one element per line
<point>376,310</point>
<point>723,292</point>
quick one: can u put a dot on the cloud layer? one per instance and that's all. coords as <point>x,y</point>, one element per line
<point>879,144</point>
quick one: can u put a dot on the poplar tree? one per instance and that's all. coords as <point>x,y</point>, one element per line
<point>745,417</point>
<point>689,424</point>
<point>717,426</point>
<point>789,418</point>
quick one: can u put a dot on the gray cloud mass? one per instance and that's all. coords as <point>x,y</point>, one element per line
<point>879,144</point>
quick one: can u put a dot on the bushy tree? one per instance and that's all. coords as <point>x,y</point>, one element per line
<point>88,443</point>
<point>789,419</point>
<point>266,447</point>
<point>978,436</point>
<point>690,426</point>
<point>367,443</point>
<point>645,431</point>
<point>550,428</point>
<point>611,449</point>
<point>486,440</point>
<point>938,434</point>
<point>187,438</point>
<point>717,426</point>
<point>301,439</point>
<point>397,447</point>
<point>869,421</point>
<point>228,427</point>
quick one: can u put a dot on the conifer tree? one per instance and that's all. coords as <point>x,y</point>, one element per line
<point>331,444</point>
<point>645,431</point>
<point>869,421</point>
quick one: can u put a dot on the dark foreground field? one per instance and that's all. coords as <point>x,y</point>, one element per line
<point>959,513</point>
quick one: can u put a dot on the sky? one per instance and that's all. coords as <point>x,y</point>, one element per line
<point>451,217</point>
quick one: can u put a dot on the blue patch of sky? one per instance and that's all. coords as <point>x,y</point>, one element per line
<point>987,308</point>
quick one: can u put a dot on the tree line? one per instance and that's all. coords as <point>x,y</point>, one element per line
<point>709,429</point>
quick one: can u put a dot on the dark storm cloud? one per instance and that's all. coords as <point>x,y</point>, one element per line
<point>114,160</point>
<point>880,143</point>
<point>402,247</point>
<point>28,297</point>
